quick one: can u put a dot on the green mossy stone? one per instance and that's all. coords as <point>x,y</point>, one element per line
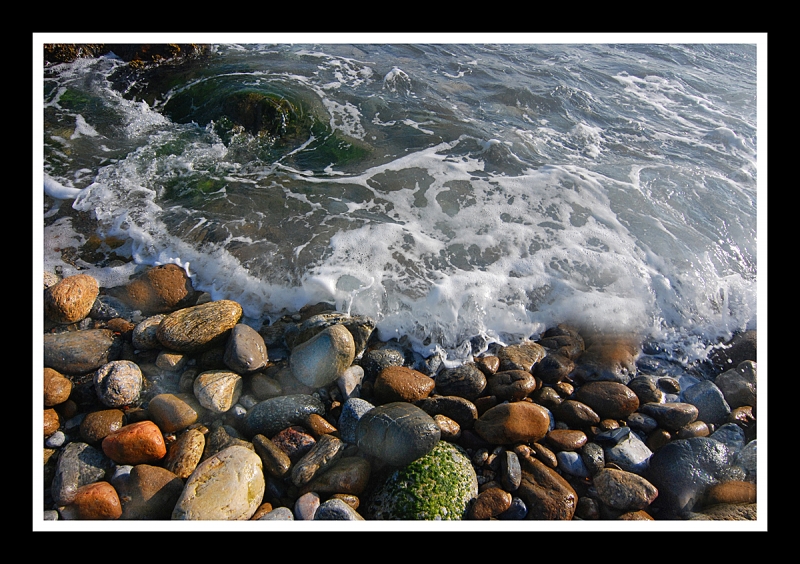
<point>438,486</point>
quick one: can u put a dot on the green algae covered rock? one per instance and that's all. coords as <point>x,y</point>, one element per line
<point>438,486</point>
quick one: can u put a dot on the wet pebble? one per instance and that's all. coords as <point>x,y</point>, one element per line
<point>118,383</point>
<point>274,414</point>
<point>466,381</point>
<point>136,443</point>
<point>148,492</point>
<point>623,490</point>
<point>57,387</point>
<point>184,454</point>
<point>79,464</point>
<point>201,327</point>
<point>511,385</point>
<point>99,424</point>
<point>610,400</point>
<point>671,416</point>
<point>71,299</point>
<point>96,501</point>
<point>245,351</point>
<point>459,409</point>
<point>79,352</point>
<point>400,383</point>
<point>513,422</point>
<point>175,412</point>
<point>397,433</point>
<point>218,390</point>
<point>324,357</point>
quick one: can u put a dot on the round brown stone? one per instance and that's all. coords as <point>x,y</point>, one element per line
<point>160,289</point>
<point>490,503</point>
<point>512,422</point>
<point>137,443</point>
<point>400,383</point>
<point>57,387</point>
<point>97,425</point>
<point>150,492</point>
<point>70,299</point>
<point>511,385</point>
<point>95,501</point>
<point>733,491</point>
<point>51,422</point>
<point>174,412</point>
<point>566,439</point>
<point>610,400</point>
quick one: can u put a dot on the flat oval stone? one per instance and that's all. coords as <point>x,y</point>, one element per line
<point>327,450</point>
<point>228,486</point>
<point>646,389</point>
<point>79,352</point>
<point>576,414</point>
<point>136,443</point>
<point>566,439</point>
<point>623,490</point>
<point>174,412</point>
<point>275,461</point>
<point>348,475</point>
<point>218,390</point>
<point>400,383</point>
<point>466,381</point>
<point>245,351</point>
<point>511,385</point>
<point>397,433</point>
<point>459,409</point>
<point>118,383</point>
<point>198,328</point>
<point>519,421</point>
<point>272,415</point>
<point>97,425</point>
<point>324,357</point>
<point>610,400</point>
<point>671,416</point>
<point>184,454</point>
<point>489,503</point>
<point>71,299</point>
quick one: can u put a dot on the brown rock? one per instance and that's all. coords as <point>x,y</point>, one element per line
<point>197,328</point>
<point>95,501</point>
<point>52,422</point>
<point>511,385</point>
<point>161,289</point>
<point>608,358</point>
<point>459,409</point>
<point>57,387</point>
<point>639,515</point>
<point>185,452</point>
<point>79,352</point>
<point>610,400</point>
<point>576,414</point>
<point>71,299</point>
<point>97,425</point>
<point>490,503</point>
<point>566,439</point>
<point>149,492</point>
<point>488,364</point>
<point>522,356</point>
<point>295,441</point>
<point>400,383</point>
<point>547,495</point>
<point>733,491</point>
<point>276,462</point>
<point>319,426</point>
<point>624,490</point>
<point>137,443</point>
<point>174,412</point>
<point>512,422</point>
<point>348,475</point>
<point>451,431</point>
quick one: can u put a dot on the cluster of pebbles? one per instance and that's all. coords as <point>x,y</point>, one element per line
<point>162,404</point>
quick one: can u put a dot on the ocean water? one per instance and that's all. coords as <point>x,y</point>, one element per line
<point>458,193</point>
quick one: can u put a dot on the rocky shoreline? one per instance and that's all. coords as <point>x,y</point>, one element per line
<point>160,404</point>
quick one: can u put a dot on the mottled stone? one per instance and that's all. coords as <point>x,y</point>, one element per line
<point>79,464</point>
<point>144,336</point>
<point>245,351</point>
<point>295,441</point>
<point>228,486</point>
<point>218,390</point>
<point>437,486</point>
<point>512,422</point>
<point>136,443</point>
<point>175,412</point>
<point>742,346</point>
<point>52,422</point>
<point>547,495</point>
<point>511,385</point>
<point>727,512</point>
<point>466,381</point>
<point>488,364</point>
<point>56,387</point>
<point>348,475</point>
<point>327,450</point>
<point>510,471</point>
<point>374,361</point>
<point>593,457</point>
<point>324,357</point>
<point>352,410</point>
<point>451,431</point>
<point>563,340</point>
<point>97,501</point>
<point>160,289</point>
<point>400,383</point>
<point>118,383</point>
<point>306,506</point>
<point>79,352</point>
<point>148,492</point>
<point>522,356</point>
<point>198,328</point>
<point>278,514</point>
<point>184,454</point>
<point>336,510</point>
<point>70,299</point>
<point>610,400</point>
<point>99,424</point>
<point>397,433</point>
<point>624,490</point>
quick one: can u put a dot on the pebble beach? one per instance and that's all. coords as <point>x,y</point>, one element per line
<point>162,404</point>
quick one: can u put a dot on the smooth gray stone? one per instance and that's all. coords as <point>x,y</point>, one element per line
<point>278,514</point>
<point>572,463</point>
<point>245,351</point>
<point>273,415</point>
<point>630,454</point>
<point>738,385</point>
<point>397,433</point>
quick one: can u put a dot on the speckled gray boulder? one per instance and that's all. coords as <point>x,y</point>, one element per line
<point>438,486</point>
<point>228,486</point>
<point>118,383</point>
<point>275,414</point>
<point>79,464</point>
<point>397,433</point>
<point>245,351</point>
<point>324,357</point>
<point>684,469</point>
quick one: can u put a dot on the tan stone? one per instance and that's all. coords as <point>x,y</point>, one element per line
<point>400,383</point>
<point>57,387</point>
<point>71,299</point>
